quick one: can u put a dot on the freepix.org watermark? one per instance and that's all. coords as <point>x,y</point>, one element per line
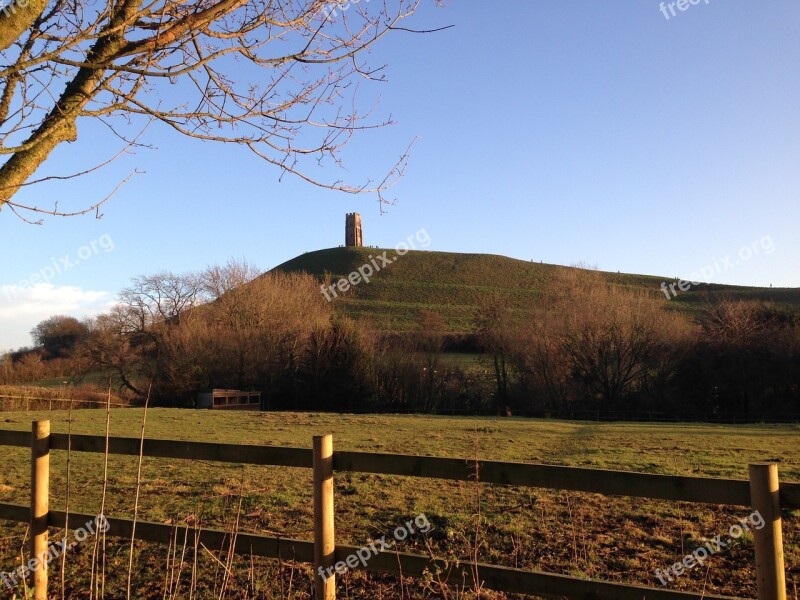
<point>12,7</point>
<point>374,547</point>
<point>330,8</point>
<point>59,266</point>
<point>668,8</point>
<point>367,270</point>
<point>701,554</point>
<point>717,267</point>
<point>97,525</point>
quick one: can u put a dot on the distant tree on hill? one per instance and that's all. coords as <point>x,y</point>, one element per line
<point>59,335</point>
<point>218,280</point>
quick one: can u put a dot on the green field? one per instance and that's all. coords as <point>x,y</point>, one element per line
<point>619,539</point>
<point>455,284</point>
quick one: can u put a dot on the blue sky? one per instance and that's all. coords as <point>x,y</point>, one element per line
<point>567,132</point>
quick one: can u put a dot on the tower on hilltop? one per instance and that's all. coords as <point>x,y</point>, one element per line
<point>352,230</point>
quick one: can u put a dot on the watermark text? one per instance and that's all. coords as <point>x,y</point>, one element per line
<point>60,265</point>
<point>376,263</point>
<point>375,547</point>
<point>699,556</point>
<point>718,266</point>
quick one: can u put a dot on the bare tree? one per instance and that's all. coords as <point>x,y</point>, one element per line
<point>161,298</point>
<point>278,77</point>
<point>163,330</point>
<point>747,356</point>
<point>115,345</point>
<point>218,280</point>
<point>612,336</point>
<point>430,343</point>
<point>541,358</point>
<point>495,327</point>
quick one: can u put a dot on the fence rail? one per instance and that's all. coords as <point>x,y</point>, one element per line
<point>505,579</point>
<point>46,403</point>
<point>704,490</point>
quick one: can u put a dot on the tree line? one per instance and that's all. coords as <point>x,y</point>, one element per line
<point>591,348</point>
<point>588,348</point>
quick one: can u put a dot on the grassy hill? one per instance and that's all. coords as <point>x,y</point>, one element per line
<point>454,284</point>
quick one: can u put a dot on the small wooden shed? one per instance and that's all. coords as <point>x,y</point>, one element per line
<point>229,400</point>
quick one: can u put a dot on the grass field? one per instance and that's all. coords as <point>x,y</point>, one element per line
<point>619,539</point>
<point>455,284</point>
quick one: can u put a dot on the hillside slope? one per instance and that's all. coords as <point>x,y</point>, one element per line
<point>455,284</point>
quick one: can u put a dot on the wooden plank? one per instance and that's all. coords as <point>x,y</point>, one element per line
<point>790,495</point>
<point>599,481</point>
<point>248,544</point>
<point>516,581</point>
<point>15,512</point>
<point>602,481</point>
<point>409,565</point>
<point>232,453</point>
<point>15,438</point>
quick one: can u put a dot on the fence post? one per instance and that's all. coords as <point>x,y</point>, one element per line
<point>40,505</point>
<point>324,544</point>
<point>768,541</point>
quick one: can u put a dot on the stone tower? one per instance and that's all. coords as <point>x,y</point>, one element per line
<point>352,230</point>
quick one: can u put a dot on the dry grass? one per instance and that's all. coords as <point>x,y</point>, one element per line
<point>619,539</point>
<point>34,398</point>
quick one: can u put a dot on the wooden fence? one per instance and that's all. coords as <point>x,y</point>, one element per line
<point>762,492</point>
<point>28,403</point>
